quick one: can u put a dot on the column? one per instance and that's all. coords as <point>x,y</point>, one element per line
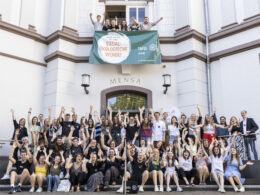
<point>251,8</point>
<point>182,14</point>
<point>59,85</point>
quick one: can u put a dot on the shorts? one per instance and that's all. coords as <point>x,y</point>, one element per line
<point>218,173</point>
<point>171,173</point>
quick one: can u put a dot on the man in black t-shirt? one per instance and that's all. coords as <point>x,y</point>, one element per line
<point>139,170</point>
<point>20,170</point>
<point>65,124</point>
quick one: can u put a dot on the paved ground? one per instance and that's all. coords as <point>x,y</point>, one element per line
<point>145,193</point>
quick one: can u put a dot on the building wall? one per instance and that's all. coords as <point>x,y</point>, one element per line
<point>41,84</point>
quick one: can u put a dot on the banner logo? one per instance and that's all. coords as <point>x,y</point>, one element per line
<point>114,47</point>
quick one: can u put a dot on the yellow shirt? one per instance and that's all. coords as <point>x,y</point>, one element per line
<point>41,170</point>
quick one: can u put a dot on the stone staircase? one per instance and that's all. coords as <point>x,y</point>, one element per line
<point>251,173</point>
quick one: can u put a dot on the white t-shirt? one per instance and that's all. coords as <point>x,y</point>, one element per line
<point>174,131</point>
<point>217,163</point>
<point>98,26</point>
<point>158,129</point>
<point>116,151</point>
<point>186,164</point>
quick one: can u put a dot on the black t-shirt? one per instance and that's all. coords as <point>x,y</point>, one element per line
<point>75,150</point>
<point>116,27</point>
<point>19,166</point>
<point>65,128</point>
<point>93,168</point>
<point>130,131</point>
<point>77,128</point>
<point>138,168</point>
<point>92,150</point>
<point>105,28</point>
<point>22,132</point>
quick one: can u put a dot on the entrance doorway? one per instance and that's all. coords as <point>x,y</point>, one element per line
<point>118,11</point>
<point>127,98</point>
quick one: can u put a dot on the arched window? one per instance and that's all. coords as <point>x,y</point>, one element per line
<point>126,101</point>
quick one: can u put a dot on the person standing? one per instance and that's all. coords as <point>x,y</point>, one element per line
<point>146,25</point>
<point>98,25</point>
<point>249,127</point>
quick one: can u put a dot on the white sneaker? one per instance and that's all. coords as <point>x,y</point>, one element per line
<point>6,176</point>
<point>222,190</point>
<point>168,189</point>
<point>61,175</point>
<point>32,189</point>
<point>39,189</point>
<point>156,189</point>
<point>161,188</point>
<point>219,189</point>
<point>141,189</point>
<point>242,189</point>
<point>120,190</point>
<point>67,176</point>
<point>179,189</point>
<point>235,189</point>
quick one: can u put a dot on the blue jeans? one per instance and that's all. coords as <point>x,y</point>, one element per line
<point>55,180</point>
<point>251,142</point>
<point>147,139</point>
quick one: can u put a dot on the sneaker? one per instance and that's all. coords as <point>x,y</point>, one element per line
<point>168,189</point>
<point>11,190</point>
<point>161,188</point>
<point>67,176</point>
<point>61,175</point>
<point>242,189</point>
<point>219,189</point>
<point>32,189</point>
<point>141,189</point>
<point>179,189</point>
<point>39,189</point>
<point>156,189</point>
<point>6,176</point>
<point>18,188</point>
<point>222,190</point>
<point>120,190</point>
<point>235,189</point>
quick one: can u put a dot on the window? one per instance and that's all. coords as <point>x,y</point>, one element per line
<point>126,101</point>
<point>138,13</point>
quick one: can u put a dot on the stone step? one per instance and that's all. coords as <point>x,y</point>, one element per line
<point>151,188</point>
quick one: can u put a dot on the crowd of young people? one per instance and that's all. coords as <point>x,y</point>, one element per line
<point>92,152</point>
<point>107,25</point>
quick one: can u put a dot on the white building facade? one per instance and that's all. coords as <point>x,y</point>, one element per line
<point>45,46</point>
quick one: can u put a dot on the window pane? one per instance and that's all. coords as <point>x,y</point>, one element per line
<point>132,13</point>
<point>141,14</point>
<point>126,101</point>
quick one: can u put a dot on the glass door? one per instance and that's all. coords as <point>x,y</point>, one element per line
<point>138,12</point>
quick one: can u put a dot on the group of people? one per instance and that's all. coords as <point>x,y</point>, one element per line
<point>107,25</point>
<point>94,150</point>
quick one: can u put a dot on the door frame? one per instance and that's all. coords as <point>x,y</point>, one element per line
<point>125,88</point>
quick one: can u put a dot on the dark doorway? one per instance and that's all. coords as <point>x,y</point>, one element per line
<point>118,11</point>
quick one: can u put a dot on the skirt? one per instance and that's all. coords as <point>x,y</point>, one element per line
<point>93,181</point>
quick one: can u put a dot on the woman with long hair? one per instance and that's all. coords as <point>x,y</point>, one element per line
<point>234,127</point>
<point>170,173</point>
<point>94,176</point>
<point>53,178</point>
<point>201,160</point>
<point>112,168</point>
<point>232,172</point>
<point>186,170</point>
<point>41,168</point>
<point>77,171</point>
<point>174,128</point>
<point>146,127</point>
<point>155,170</point>
<point>217,155</point>
<point>123,26</point>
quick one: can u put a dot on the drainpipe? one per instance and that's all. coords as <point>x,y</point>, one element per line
<point>208,68</point>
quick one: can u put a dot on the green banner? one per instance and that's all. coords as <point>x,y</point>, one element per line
<point>126,47</point>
